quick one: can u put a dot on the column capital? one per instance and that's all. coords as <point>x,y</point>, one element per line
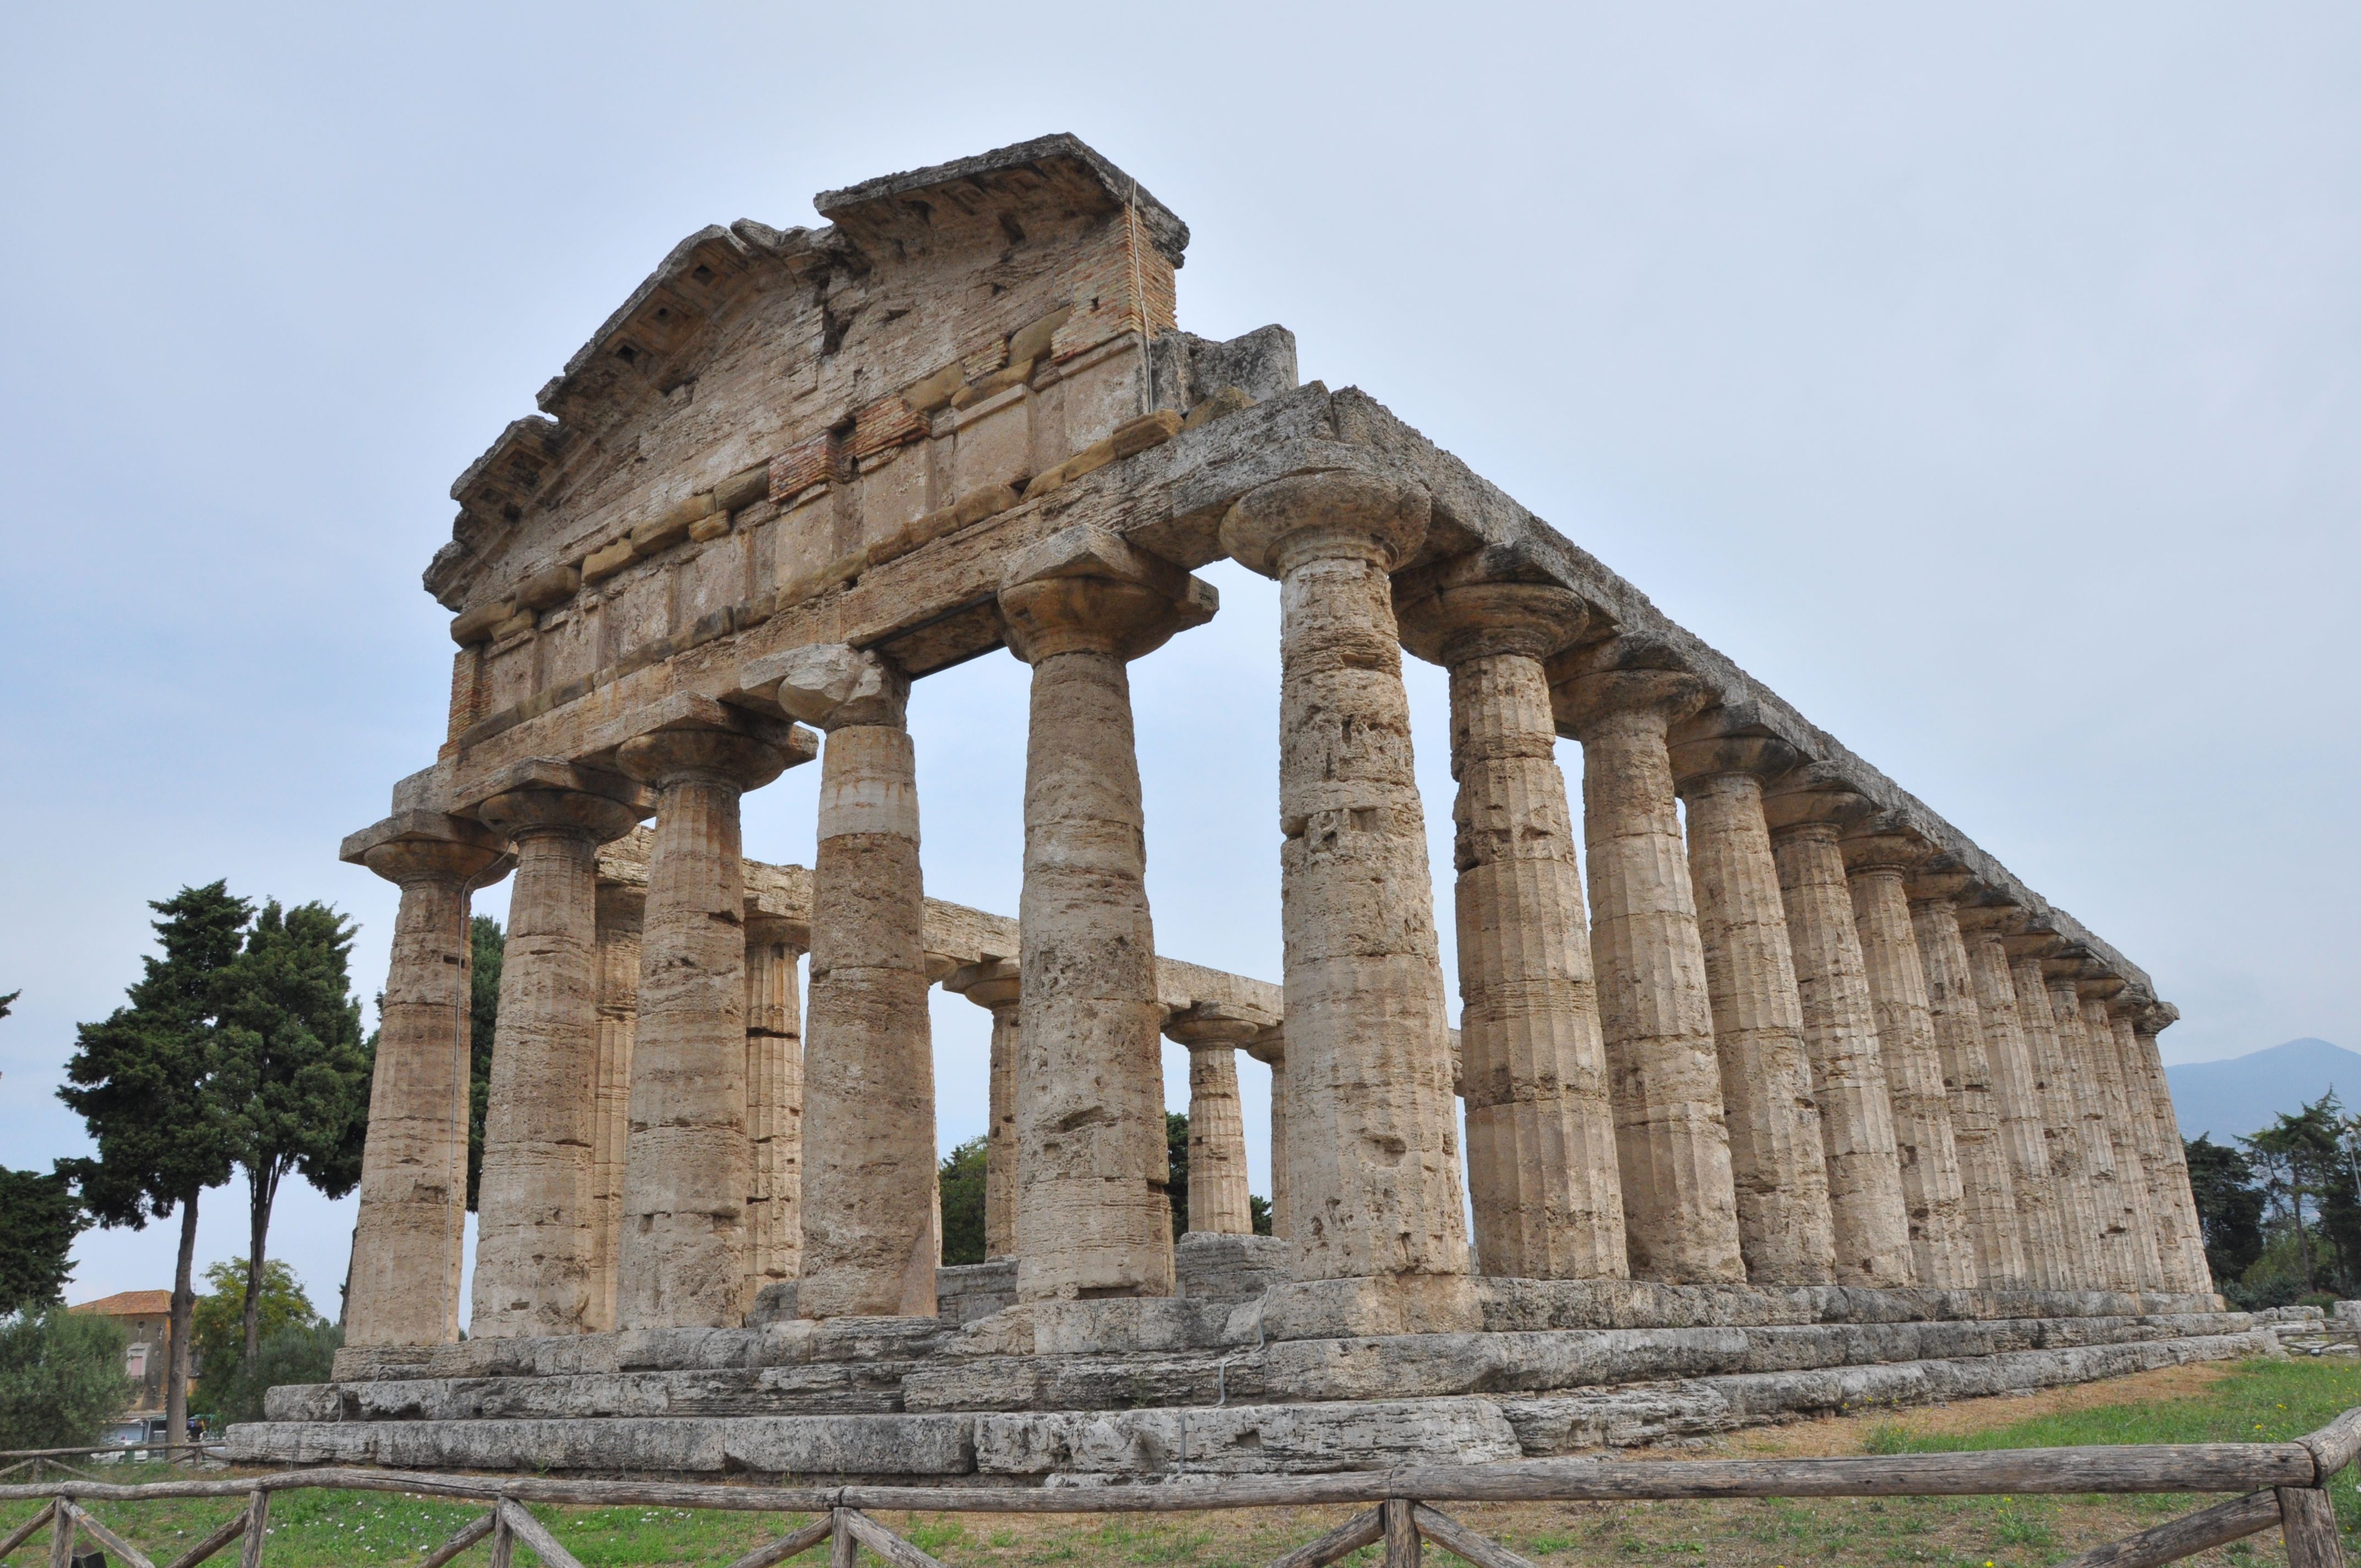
<point>988,982</point>
<point>776,930</point>
<point>1994,919</point>
<point>1086,589</point>
<point>1605,681</point>
<point>1812,794</point>
<point>1310,517</point>
<point>2099,987</point>
<point>1705,757</point>
<point>832,685</point>
<point>410,846</point>
<point>544,794</point>
<point>1269,1045</point>
<point>2155,1019</point>
<point>1938,884</point>
<point>1876,848</point>
<point>2030,941</point>
<point>1202,1026</point>
<point>1481,606</point>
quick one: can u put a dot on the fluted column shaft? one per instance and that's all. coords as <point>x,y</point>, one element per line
<point>2016,1100</point>
<point>2079,1231</point>
<point>1778,1163</point>
<point>683,1257</point>
<point>1943,1257</point>
<point>1673,1148</point>
<point>1868,1216</point>
<point>1541,1123</point>
<point>2163,1216</point>
<point>408,1237</point>
<point>774,1107</point>
<point>2193,1272</point>
<point>1987,1193</point>
<point>2124,1132</point>
<point>1094,1216</point>
<point>620,911</point>
<point>1218,1132</point>
<point>1372,1135</point>
<point>2111,1205</point>
<point>1274,1057</point>
<point>995,985</point>
<point>535,1238</point>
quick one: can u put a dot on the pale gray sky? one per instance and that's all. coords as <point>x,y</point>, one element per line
<point>1985,378</point>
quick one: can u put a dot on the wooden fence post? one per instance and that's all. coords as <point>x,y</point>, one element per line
<point>1401,1534</point>
<point>61,1534</point>
<point>2308,1519</point>
<point>258,1526</point>
<point>841,1546</point>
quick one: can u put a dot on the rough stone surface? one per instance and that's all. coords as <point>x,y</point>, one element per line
<point>2016,1099</point>
<point>2105,1068</point>
<point>1541,1121</point>
<point>2077,1216</point>
<point>1680,1217</point>
<point>1869,1218</point>
<point>2110,1204</point>
<point>1372,1140</point>
<point>1777,1160</point>
<point>1941,1254</point>
<point>1987,1195</point>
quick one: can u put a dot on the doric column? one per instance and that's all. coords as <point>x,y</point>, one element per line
<point>683,1257</point>
<point>2016,1099</point>
<point>1269,1047</point>
<point>2163,1214</point>
<point>1373,1156</point>
<point>2083,1255</point>
<point>2193,1273</point>
<point>1680,1214</point>
<point>1540,1123</point>
<point>1987,1193</point>
<point>1867,1215</point>
<point>994,984</point>
<point>414,1192</point>
<point>1943,1255</point>
<point>621,908</point>
<point>2118,1257</point>
<point>1093,1215</point>
<point>871,1241</point>
<point>1776,1157</point>
<point>774,1104</point>
<point>2122,1128</point>
<point>535,1236</point>
<point>1217,1131</point>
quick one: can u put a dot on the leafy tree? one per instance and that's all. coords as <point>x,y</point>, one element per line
<point>143,1080</point>
<point>486,946</point>
<point>293,1078</point>
<point>1176,1167</point>
<point>2229,1206</point>
<point>961,1178</point>
<point>1258,1211</point>
<point>39,1217</point>
<point>60,1378</point>
<point>297,1345</point>
<point>2300,1158</point>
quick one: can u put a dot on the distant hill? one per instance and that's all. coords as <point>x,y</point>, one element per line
<point>2224,1098</point>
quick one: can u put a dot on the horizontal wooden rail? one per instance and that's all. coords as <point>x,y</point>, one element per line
<point>2280,1483</point>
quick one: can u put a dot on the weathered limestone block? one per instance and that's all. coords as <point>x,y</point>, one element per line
<point>871,1237</point>
<point>2123,1130</point>
<point>622,910</point>
<point>1217,1131</point>
<point>2194,1273</point>
<point>775,1104</point>
<point>1372,1135</point>
<point>1541,1123</point>
<point>535,1244</point>
<point>1868,1217</point>
<point>2111,1205</point>
<point>1231,1267</point>
<point>1942,1254</point>
<point>1680,1214</point>
<point>2082,1254</point>
<point>1243,1440</point>
<point>1091,1215</point>
<point>1988,1196</point>
<point>406,1240</point>
<point>1776,1157</point>
<point>683,1257</point>
<point>995,985</point>
<point>2016,1100</point>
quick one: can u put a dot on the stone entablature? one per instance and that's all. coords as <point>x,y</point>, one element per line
<point>1809,1036</point>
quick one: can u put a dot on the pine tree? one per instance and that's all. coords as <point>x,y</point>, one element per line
<point>2229,1206</point>
<point>293,1075</point>
<point>487,944</point>
<point>39,1217</point>
<point>144,1083</point>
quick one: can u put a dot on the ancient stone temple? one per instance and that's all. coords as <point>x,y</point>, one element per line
<point>1779,1094</point>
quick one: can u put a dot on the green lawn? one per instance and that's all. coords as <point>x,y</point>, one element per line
<point>2258,1402</point>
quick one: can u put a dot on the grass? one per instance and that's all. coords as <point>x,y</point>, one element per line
<point>2257,1401</point>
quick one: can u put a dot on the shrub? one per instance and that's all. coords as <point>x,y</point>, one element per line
<point>297,1353</point>
<point>61,1378</point>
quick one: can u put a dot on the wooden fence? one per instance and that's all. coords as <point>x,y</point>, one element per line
<point>2281,1484</point>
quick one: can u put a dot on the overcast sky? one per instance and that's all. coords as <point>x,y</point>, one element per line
<point>1984,378</point>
